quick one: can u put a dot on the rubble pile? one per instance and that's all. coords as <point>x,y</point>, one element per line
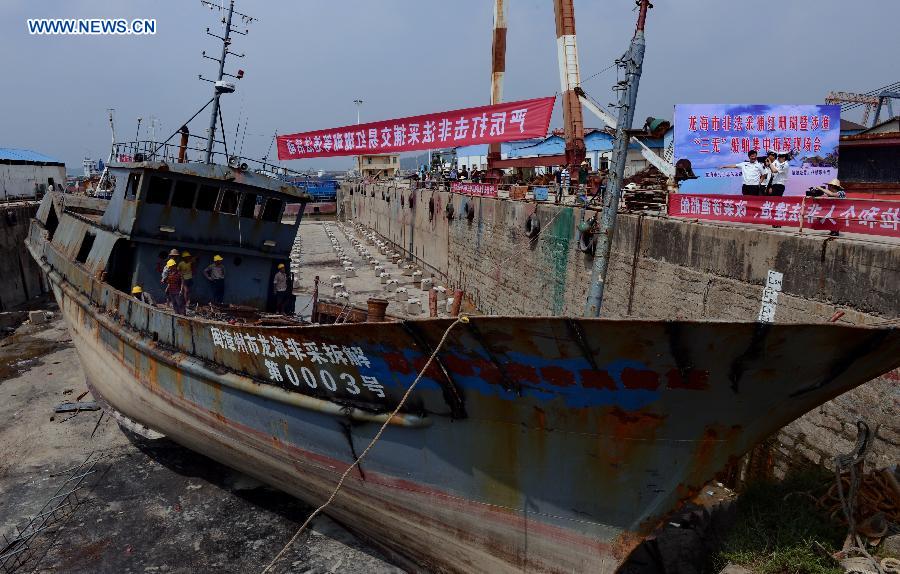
<point>645,191</point>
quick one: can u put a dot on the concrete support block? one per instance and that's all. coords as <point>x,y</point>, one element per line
<point>338,287</point>
<point>407,270</point>
<point>334,279</point>
<point>413,307</point>
<point>449,304</point>
<point>427,284</point>
<point>384,277</point>
<point>441,293</point>
<point>379,269</point>
<point>401,294</point>
<point>350,271</point>
<point>392,285</point>
<point>417,276</point>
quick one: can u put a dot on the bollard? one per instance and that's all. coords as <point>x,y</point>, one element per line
<point>432,301</point>
<point>377,309</point>
<point>457,302</point>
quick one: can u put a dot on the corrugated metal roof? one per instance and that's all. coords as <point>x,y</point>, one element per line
<point>13,154</point>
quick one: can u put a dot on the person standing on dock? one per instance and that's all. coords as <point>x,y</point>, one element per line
<point>583,172</point>
<point>281,288</point>
<point>752,173</point>
<point>780,169</point>
<point>215,274</point>
<point>565,179</point>
<point>174,284</point>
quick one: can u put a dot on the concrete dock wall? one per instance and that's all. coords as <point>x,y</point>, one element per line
<point>662,269</point>
<point>20,277</point>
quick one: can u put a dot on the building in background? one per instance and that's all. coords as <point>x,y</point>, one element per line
<point>870,161</point>
<point>26,174</point>
<point>381,166</point>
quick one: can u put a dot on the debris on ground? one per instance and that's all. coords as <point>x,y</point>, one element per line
<point>69,407</point>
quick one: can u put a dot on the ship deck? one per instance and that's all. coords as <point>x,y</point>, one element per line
<point>315,255</point>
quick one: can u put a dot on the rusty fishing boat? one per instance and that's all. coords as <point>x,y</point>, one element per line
<point>531,443</point>
<point>539,444</point>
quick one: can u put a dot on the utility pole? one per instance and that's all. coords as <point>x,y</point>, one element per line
<point>632,62</point>
<point>219,85</point>
<point>359,104</point>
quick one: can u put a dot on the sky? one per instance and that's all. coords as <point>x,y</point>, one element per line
<point>307,60</point>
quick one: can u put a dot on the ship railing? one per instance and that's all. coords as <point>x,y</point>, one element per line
<point>195,152</point>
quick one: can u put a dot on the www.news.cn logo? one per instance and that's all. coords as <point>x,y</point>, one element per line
<point>91,26</point>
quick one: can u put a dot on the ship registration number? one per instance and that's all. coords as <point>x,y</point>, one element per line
<point>316,361</point>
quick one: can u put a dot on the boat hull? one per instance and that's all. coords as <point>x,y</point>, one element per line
<point>532,444</point>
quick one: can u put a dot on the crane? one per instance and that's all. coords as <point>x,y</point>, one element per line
<point>873,101</point>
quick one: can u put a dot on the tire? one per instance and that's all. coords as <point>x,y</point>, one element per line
<point>587,242</point>
<point>532,226</point>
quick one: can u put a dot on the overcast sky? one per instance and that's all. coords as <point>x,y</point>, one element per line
<point>307,60</point>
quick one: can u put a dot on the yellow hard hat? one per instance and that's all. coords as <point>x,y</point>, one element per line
<point>281,265</point>
<point>217,258</point>
<point>136,289</point>
<point>170,263</point>
<point>185,254</point>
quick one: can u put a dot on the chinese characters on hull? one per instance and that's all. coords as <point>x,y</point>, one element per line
<point>290,363</point>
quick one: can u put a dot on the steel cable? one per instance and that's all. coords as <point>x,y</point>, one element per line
<point>317,511</point>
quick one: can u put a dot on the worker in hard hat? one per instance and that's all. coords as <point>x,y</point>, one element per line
<point>215,274</point>
<point>138,293</point>
<point>174,287</point>
<point>187,266</point>
<point>280,283</point>
<point>173,254</point>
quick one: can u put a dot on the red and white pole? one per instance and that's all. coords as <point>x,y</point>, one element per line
<point>498,67</point>
<point>569,79</point>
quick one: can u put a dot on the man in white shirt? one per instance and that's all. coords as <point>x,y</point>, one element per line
<point>752,174</point>
<point>780,169</point>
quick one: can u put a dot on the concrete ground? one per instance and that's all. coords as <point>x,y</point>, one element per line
<point>315,254</point>
<point>153,506</point>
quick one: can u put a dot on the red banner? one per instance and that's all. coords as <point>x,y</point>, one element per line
<point>486,124</point>
<point>871,217</point>
<point>482,189</point>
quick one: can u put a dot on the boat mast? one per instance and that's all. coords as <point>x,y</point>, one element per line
<point>112,128</point>
<point>219,85</point>
<point>632,63</point>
